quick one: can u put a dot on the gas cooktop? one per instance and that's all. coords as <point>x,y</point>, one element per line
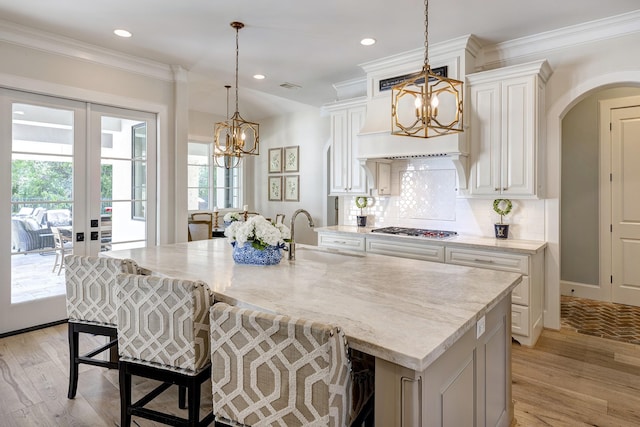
<point>417,232</point>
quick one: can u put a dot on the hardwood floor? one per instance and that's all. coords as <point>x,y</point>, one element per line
<point>567,379</point>
<point>34,379</point>
<point>572,379</point>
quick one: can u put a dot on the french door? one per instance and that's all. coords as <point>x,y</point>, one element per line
<point>76,178</point>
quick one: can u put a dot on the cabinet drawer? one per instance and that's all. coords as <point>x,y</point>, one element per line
<point>339,241</point>
<point>406,250</point>
<point>486,259</point>
<point>520,294</point>
<point>520,320</point>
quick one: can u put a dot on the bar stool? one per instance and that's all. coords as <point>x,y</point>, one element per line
<point>90,285</point>
<point>274,370</point>
<point>163,335</point>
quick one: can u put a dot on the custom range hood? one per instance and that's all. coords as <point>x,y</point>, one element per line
<point>455,58</point>
<point>376,142</point>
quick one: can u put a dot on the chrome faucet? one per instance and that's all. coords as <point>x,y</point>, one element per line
<point>292,243</point>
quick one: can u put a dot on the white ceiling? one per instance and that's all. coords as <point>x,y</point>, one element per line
<point>310,44</point>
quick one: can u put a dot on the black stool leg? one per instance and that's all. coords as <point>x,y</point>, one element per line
<point>125,395</point>
<point>73,361</point>
<point>182,397</point>
<point>194,402</point>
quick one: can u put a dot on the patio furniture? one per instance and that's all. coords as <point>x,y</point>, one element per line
<point>62,244</point>
<point>91,307</point>
<point>163,335</point>
<point>28,235</point>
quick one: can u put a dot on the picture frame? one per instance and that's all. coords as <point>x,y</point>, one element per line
<point>290,156</point>
<point>275,188</point>
<point>292,188</point>
<point>275,160</point>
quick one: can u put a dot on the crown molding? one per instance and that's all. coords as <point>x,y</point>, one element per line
<point>47,42</point>
<point>540,44</point>
<point>416,56</point>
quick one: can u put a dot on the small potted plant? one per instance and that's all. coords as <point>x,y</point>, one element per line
<point>361,202</point>
<point>502,207</point>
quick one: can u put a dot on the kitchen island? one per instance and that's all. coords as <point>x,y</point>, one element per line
<point>439,333</point>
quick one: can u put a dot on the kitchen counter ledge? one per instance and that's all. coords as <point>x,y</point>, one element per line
<point>471,242</point>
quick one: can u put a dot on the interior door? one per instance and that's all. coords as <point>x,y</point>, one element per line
<point>625,205</point>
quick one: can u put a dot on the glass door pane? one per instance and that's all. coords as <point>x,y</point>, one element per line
<point>125,145</point>
<point>41,199</point>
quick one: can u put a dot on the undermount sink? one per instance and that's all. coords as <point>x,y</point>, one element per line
<point>328,256</point>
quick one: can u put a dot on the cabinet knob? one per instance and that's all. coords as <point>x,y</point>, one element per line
<point>504,188</point>
<point>496,189</point>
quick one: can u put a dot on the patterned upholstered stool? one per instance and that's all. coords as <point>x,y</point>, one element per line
<point>91,307</point>
<point>163,334</point>
<point>270,370</point>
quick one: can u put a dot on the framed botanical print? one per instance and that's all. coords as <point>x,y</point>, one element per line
<point>275,188</point>
<point>291,163</point>
<point>292,188</point>
<point>275,160</point>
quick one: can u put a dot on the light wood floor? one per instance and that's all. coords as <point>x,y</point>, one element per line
<point>568,379</point>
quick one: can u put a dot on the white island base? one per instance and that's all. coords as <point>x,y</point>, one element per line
<point>468,385</point>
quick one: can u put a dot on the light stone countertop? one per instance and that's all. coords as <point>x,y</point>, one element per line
<point>402,310</point>
<point>471,242</point>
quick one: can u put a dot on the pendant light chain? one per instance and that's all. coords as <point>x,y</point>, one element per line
<point>426,33</point>
<point>237,54</point>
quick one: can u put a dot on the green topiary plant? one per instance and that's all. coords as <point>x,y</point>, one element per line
<point>502,211</point>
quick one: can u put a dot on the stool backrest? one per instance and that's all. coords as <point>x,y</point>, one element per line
<point>91,286</point>
<point>278,370</point>
<point>164,322</point>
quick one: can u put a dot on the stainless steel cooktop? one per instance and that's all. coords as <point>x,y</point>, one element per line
<point>417,232</point>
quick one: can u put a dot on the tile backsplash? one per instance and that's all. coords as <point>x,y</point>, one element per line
<point>425,196</point>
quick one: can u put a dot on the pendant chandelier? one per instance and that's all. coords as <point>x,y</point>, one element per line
<point>426,104</point>
<point>235,137</point>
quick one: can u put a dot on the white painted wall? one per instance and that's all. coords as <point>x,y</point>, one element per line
<point>310,131</point>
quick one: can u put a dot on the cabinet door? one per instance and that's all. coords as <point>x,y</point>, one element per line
<point>518,134</point>
<point>485,139</point>
<point>340,151</point>
<point>357,176</point>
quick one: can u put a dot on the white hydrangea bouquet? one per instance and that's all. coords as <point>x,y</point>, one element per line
<point>259,231</point>
<point>232,217</point>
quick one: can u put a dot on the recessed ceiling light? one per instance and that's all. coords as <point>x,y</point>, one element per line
<point>122,33</point>
<point>367,41</point>
<point>258,77</point>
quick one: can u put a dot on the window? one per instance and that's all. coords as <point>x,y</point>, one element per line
<point>208,185</point>
<point>139,170</point>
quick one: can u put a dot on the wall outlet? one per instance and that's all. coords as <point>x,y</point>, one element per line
<point>480,327</point>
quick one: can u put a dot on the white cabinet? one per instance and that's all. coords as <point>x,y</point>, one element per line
<point>507,130</point>
<point>405,249</point>
<point>341,241</point>
<point>526,298</point>
<point>347,176</point>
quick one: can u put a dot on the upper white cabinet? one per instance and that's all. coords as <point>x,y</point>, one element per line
<point>347,176</point>
<point>507,130</point>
